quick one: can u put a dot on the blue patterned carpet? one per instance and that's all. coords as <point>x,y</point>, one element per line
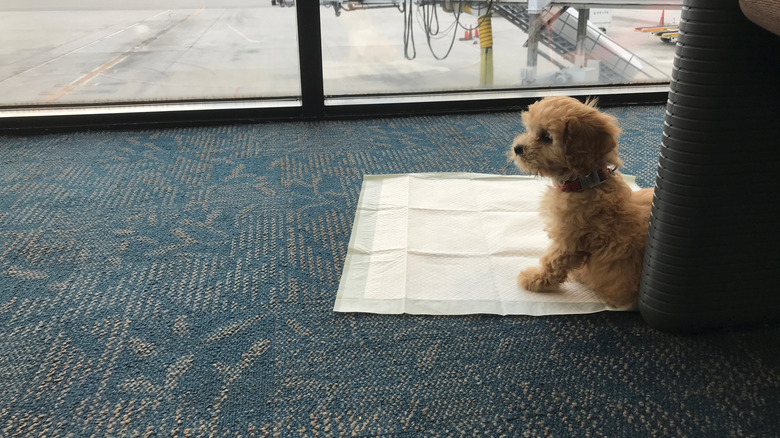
<point>179,282</point>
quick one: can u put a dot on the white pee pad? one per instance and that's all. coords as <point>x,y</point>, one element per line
<point>451,244</point>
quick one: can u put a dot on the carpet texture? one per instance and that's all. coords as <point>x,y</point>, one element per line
<point>180,282</point>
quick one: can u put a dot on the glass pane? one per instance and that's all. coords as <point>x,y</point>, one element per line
<point>386,46</point>
<point>97,51</point>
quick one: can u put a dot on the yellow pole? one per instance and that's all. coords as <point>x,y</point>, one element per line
<point>486,49</point>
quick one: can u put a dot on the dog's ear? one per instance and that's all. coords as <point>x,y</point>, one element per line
<point>590,141</point>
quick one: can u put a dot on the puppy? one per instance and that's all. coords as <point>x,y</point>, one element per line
<point>597,224</point>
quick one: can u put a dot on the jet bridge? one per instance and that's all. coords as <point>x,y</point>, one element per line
<point>568,33</point>
<point>562,26</point>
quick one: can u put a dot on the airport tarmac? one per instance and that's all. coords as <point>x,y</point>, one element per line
<point>67,52</point>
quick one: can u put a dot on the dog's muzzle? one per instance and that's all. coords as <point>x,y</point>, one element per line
<point>518,149</point>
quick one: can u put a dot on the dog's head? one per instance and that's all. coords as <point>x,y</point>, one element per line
<point>565,138</point>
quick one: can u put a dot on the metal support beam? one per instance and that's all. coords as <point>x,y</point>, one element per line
<point>580,57</point>
<point>529,73</point>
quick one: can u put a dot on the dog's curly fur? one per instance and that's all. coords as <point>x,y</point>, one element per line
<point>598,234</point>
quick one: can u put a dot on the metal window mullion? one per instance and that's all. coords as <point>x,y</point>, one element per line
<point>310,58</point>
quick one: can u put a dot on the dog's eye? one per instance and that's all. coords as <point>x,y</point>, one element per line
<point>545,136</point>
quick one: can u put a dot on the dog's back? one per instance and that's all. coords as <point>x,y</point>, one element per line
<point>644,199</point>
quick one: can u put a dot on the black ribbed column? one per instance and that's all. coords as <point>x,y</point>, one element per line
<point>713,252</point>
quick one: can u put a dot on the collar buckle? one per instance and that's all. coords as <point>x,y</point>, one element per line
<point>592,179</point>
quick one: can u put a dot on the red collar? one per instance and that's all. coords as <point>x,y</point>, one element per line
<point>593,179</point>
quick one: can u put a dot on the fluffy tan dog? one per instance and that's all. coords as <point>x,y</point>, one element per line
<point>597,224</point>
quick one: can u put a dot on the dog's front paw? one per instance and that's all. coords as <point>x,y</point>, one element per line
<point>534,280</point>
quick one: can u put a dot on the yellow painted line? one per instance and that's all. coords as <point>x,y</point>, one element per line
<point>88,77</point>
<point>195,13</point>
<point>91,75</point>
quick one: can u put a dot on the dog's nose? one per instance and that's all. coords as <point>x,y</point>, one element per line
<point>518,149</point>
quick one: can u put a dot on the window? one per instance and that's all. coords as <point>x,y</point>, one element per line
<point>390,47</point>
<point>143,55</point>
<point>94,52</point>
